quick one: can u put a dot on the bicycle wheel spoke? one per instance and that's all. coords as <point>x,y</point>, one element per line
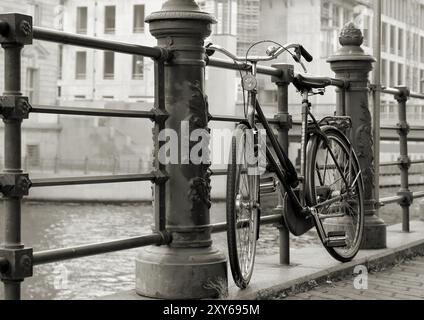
<point>336,177</point>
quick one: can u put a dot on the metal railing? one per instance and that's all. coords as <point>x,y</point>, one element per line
<point>404,197</point>
<point>15,184</point>
<point>17,261</point>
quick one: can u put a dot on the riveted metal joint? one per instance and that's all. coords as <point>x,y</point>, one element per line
<point>15,184</point>
<point>404,162</point>
<point>159,116</point>
<point>403,128</point>
<point>14,107</point>
<point>19,264</point>
<point>287,74</point>
<point>374,87</point>
<point>15,29</point>
<point>165,54</point>
<point>166,238</point>
<point>285,121</point>
<point>160,177</point>
<point>403,94</point>
<point>407,198</point>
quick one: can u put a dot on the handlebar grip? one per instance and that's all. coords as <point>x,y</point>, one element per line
<point>305,54</point>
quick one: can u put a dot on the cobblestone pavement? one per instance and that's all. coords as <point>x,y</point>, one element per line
<point>402,282</point>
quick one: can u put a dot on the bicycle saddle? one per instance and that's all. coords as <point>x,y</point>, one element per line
<point>303,83</point>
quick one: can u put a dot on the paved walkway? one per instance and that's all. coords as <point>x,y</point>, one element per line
<point>402,282</point>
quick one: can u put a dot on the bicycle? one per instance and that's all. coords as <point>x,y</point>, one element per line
<point>328,193</point>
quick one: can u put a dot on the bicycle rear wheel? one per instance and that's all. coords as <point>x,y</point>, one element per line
<point>333,172</point>
<point>242,207</point>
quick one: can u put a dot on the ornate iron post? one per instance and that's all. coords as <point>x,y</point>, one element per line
<point>404,160</point>
<point>352,64</point>
<point>15,32</point>
<point>285,124</point>
<point>189,268</point>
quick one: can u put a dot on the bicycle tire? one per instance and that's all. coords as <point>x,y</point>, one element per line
<point>355,203</point>
<point>241,273</point>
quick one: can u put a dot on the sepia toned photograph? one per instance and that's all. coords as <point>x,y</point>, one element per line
<point>198,158</point>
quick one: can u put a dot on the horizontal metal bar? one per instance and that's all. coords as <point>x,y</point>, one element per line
<point>416,95</point>
<point>49,256</point>
<point>227,118</point>
<point>394,91</point>
<point>219,172</point>
<point>96,112</point>
<point>270,219</point>
<point>419,194</point>
<point>396,199</point>
<point>96,43</point>
<point>50,182</point>
<point>389,200</point>
<point>237,119</point>
<point>228,64</point>
<point>396,163</point>
<point>394,128</point>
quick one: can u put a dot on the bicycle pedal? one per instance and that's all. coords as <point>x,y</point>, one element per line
<point>335,234</point>
<point>336,242</point>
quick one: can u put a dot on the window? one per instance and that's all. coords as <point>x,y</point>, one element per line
<point>325,14</point>
<point>392,39</point>
<point>400,75</point>
<point>109,65</point>
<point>384,37</point>
<point>137,67</point>
<point>81,19</point>
<point>367,33</point>
<point>422,81</point>
<point>422,49</point>
<point>81,65</point>
<point>35,12</point>
<point>33,155</point>
<point>400,42</point>
<point>31,82</point>
<point>336,16</point>
<point>60,62</point>
<point>138,24</point>
<point>383,72</point>
<point>392,74</point>
<point>110,12</point>
<point>415,80</point>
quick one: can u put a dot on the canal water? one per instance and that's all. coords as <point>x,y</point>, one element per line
<point>57,225</point>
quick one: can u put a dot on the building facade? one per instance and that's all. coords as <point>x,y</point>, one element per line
<point>39,75</point>
<point>95,76</point>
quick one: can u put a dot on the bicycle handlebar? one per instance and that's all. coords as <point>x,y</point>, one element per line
<point>305,54</point>
<point>272,54</point>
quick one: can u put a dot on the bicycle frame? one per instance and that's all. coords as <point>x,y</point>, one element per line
<point>298,201</point>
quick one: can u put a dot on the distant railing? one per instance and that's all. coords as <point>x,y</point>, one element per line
<point>404,197</point>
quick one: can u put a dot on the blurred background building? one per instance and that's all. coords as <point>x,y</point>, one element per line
<point>73,76</point>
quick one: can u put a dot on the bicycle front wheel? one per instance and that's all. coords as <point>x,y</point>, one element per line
<point>333,179</point>
<point>242,206</point>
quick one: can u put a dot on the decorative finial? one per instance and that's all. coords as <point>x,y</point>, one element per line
<point>351,35</point>
<point>180,5</point>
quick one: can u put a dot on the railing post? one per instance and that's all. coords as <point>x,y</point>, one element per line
<point>15,32</point>
<point>404,160</point>
<point>188,268</point>
<point>352,64</point>
<point>285,124</point>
